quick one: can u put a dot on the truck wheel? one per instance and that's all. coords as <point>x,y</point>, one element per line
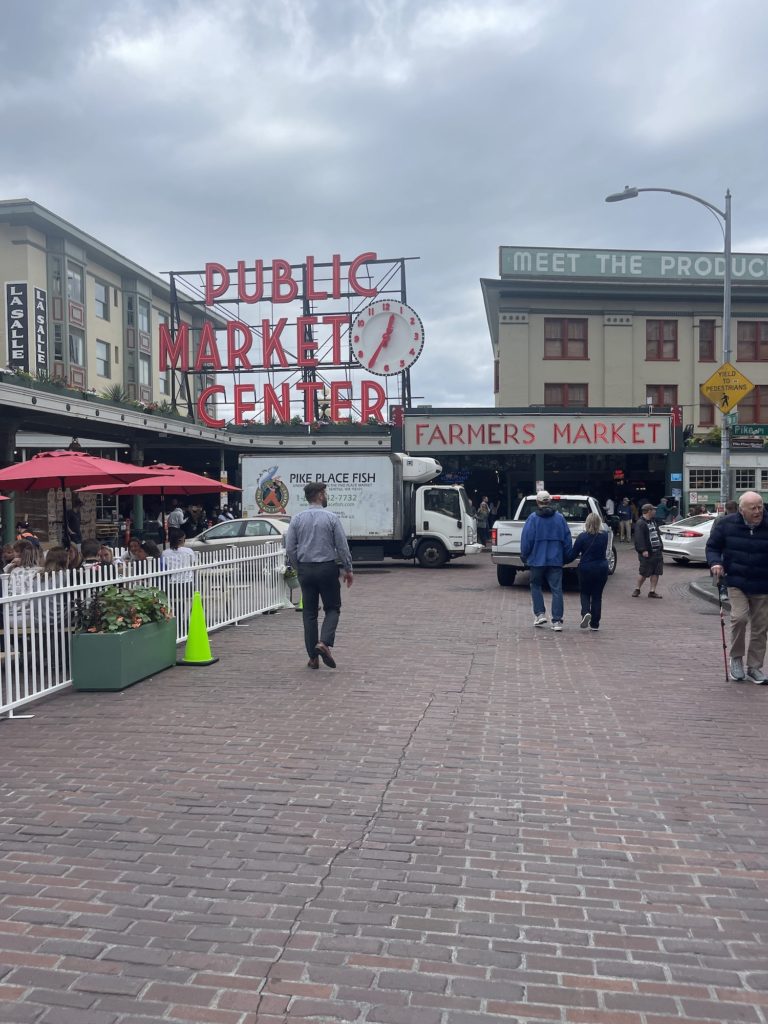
<point>431,554</point>
<point>613,558</point>
<point>505,574</point>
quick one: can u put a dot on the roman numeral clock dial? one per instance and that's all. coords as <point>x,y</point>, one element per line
<point>387,337</point>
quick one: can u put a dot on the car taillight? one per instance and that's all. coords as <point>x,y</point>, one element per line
<point>493,535</point>
<point>689,533</point>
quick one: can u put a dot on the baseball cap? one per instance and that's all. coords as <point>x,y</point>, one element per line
<point>543,498</point>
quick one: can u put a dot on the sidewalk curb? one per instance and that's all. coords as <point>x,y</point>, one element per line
<point>706,590</point>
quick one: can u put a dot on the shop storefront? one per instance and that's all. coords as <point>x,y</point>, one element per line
<point>505,453</point>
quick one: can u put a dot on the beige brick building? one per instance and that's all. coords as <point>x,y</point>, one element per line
<point>76,310</point>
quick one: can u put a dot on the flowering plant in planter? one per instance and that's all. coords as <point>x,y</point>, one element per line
<point>117,609</point>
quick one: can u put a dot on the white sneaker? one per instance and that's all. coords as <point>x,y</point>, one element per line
<point>585,620</point>
<point>557,626</point>
<point>757,676</point>
<point>540,620</point>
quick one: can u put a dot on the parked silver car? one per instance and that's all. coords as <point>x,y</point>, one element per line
<point>239,532</point>
<point>686,540</point>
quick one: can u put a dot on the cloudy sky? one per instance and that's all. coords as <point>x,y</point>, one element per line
<point>182,131</point>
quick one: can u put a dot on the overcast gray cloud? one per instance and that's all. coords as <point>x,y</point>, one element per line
<point>194,130</point>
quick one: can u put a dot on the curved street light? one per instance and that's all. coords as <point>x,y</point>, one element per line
<point>631,192</point>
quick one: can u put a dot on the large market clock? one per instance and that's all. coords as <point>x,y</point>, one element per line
<point>387,337</point>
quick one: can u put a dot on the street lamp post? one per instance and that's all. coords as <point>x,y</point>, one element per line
<point>725,217</point>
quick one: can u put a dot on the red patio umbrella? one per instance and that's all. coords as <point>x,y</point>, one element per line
<point>162,481</point>
<point>66,469</point>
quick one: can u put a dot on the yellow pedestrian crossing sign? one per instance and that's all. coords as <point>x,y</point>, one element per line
<point>726,387</point>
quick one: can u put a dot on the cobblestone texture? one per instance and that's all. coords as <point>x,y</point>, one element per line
<point>469,821</point>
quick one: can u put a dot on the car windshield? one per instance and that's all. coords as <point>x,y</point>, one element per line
<point>575,510</point>
<point>230,529</point>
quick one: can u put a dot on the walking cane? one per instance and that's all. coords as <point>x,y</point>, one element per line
<point>720,588</point>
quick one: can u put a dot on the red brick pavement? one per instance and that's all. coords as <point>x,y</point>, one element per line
<point>469,821</point>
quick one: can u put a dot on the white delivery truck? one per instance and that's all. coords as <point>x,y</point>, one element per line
<point>385,502</point>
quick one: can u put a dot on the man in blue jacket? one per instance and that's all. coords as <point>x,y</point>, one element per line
<point>545,547</point>
<point>737,553</point>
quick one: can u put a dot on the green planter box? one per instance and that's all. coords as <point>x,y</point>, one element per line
<point>112,661</point>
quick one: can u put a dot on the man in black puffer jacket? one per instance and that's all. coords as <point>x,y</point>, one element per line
<point>737,553</point>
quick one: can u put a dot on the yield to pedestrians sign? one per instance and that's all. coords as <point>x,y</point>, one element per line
<point>726,387</point>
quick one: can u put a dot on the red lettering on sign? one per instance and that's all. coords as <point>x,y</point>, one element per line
<point>616,433</point>
<point>354,266</point>
<point>241,405</point>
<point>215,289</point>
<point>310,292</point>
<point>242,287</point>
<point>310,388</point>
<point>284,287</point>
<point>582,435</point>
<point>306,345</point>
<point>336,321</point>
<point>561,433</point>
<point>493,433</point>
<point>436,435</point>
<point>510,433</point>
<point>373,398</point>
<point>177,350</point>
<point>340,403</point>
<point>237,355</point>
<point>208,352</point>
<point>455,433</point>
<point>637,429</point>
<point>530,433</point>
<point>202,412</point>
<point>273,406</point>
<point>271,342</point>
<point>601,432</point>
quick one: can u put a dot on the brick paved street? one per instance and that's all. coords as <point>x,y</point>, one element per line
<point>469,821</point>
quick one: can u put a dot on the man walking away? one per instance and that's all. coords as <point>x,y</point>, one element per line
<point>314,541</point>
<point>737,554</point>
<point>649,549</point>
<point>545,547</point>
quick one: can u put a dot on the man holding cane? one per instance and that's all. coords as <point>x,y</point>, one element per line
<point>737,554</point>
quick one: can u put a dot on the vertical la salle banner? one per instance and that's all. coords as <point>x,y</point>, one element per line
<point>17,324</point>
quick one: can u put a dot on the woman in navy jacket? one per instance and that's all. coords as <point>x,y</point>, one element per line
<point>592,546</point>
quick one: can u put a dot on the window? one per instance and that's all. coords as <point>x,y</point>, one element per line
<point>753,408</point>
<point>74,282</point>
<point>565,339</point>
<point>103,352</point>
<point>745,479</point>
<point>764,479</point>
<point>130,311</point>
<point>706,413</point>
<point>58,343</point>
<point>76,347</point>
<point>567,396</point>
<point>144,316</point>
<point>56,277</point>
<point>445,503</point>
<point>752,341</point>
<point>102,300</point>
<point>706,341</point>
<point>260,528</point>
<point>145,371</point>
<point>161,318</point>
<point>106,507</point>
<point>704,479</point>
<point>661,394</point>
<point>660,339</point>
<point>164,383</point>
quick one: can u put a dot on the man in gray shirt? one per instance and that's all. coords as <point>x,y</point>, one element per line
<point>314,541</point>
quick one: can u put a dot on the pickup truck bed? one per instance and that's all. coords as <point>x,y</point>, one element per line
<point>506,533</point>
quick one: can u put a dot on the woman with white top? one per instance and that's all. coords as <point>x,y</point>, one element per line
<point>181,560</point>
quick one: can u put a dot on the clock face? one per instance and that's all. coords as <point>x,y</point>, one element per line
<point>387,337</point>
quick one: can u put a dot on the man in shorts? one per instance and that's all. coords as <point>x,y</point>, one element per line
<point>649,551</point>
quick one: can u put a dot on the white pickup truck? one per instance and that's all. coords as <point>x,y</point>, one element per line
<point>506,533</point>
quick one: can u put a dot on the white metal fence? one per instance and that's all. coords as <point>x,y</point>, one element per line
<point>37,609</point>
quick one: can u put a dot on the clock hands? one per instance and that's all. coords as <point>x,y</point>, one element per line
<point>384,340</point>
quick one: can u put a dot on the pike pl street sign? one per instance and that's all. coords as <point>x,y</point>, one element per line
<point>726,387</point>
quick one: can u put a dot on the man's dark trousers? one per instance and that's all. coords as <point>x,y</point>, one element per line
<point>319,580</point>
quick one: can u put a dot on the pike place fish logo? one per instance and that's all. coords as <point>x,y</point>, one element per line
<point>271,493</point>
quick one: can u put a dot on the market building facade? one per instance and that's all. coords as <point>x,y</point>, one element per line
<point>585,332</point>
